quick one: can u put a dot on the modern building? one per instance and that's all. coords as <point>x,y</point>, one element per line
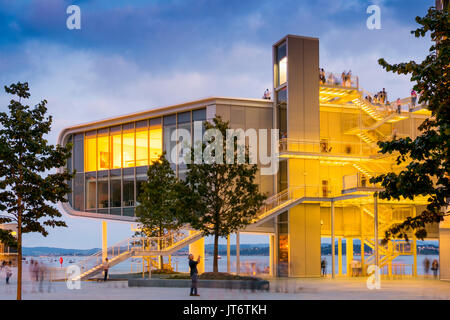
<point>328,129</point>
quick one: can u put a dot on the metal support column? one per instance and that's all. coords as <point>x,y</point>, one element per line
<point>333,258</point>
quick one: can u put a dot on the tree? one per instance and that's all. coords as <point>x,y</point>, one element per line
<point>221,198</point>
<point>427,156</point>
<point>26,195</point>
<point>157,211</point>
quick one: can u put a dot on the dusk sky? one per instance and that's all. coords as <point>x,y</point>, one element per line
<point>135,55</point>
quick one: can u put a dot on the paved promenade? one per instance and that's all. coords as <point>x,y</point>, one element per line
<point>296,289</point>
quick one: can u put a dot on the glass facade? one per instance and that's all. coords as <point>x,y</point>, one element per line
<point>111,163</point>
<point>281,64</point>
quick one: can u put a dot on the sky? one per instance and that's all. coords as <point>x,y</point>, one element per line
<point>135,55</point>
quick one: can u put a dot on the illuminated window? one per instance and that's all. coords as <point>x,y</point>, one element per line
<point>128,146</point>
<point>90,148</point>
<point>141,147</point>
<point>155,139</point>
<point>282,64</point>
<point>116,147</point>
<point>103,151</point>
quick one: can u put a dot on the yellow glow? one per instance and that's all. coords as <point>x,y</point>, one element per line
<point>116,151</point>
<point>128,149</point>
<point>90,149</point>
<point>142,147</point>
<point>103,153</point>
<point>155,143</point>
<point>283,70</point>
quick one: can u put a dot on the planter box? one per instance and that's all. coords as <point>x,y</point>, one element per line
<point>185,283</point>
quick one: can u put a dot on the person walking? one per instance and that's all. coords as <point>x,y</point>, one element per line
<point>435,268</point>
<point>426,265</point>
<point>194,274</point>
<point>8,272</point>
<point>105,269</point>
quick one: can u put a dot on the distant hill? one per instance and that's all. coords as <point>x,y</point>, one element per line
<point>259,249</point>
<point>49,251</point>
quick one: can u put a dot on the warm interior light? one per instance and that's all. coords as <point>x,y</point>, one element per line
<point>283,70</point>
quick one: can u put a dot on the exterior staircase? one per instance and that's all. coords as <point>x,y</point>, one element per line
<point>386,253</point>
<point>167,245</point>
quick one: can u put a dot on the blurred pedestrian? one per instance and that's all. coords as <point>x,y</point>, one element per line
<point>435,268</point>
<point>8,271</point>
<point>426,265</point>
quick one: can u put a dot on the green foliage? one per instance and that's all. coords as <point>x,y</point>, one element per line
<point>157,211</point>
<point>427,156</point>
<point>221,198</point>
<point>26,186</point>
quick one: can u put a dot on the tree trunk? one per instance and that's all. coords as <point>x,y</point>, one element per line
<point>19,255</point>
<point>216,253</point>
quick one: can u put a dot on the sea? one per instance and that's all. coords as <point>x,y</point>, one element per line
<point>248,264</point>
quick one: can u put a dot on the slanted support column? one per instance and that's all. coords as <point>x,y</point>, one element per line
<point>349,255</point>
<point>198,249</point>
<point>228,255</point>
<point>104,240</point>
<point>333,253</point>
<point>238,248</point>
<point>340,256</point>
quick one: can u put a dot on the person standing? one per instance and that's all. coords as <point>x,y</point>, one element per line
<point>323,265</point>
<point>399,106</point>
<point>194,274</point>
<point>435,268</point>
<point>413,98</point>
<point>105,269</point>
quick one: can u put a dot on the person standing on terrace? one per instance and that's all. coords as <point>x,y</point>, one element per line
<point>194,274</point>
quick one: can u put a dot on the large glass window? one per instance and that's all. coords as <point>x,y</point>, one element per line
<point>141,146</point>
<point>103,150</point>
<point>78,152</point>
<point>141,177</point>
<point>90,147</point>
<point>102,190</point>
<point>282,112</point>
<point>128,188</point>
<point>184,123</point>
<point>91,190</point>
<point>78,192</point>
<point>169,145</point>
<point>128,146</point>
<point>282,64</point>
<point>116,188</point>
<point>116,147</point>
<point>283,245</point>
<point>155,139</point>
